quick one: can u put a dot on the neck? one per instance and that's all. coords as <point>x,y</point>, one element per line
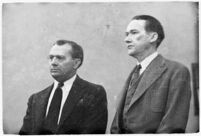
<point>65,77</point>
<point>140,58</point>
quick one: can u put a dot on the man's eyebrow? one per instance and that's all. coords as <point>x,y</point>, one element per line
<point>51,55</point>
<point>133,30</point>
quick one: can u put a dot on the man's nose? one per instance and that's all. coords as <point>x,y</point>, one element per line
<point>127,39</point>
<point>54,61</point>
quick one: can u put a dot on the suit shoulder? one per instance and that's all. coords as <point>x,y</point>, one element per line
<point>93,86</point>
<point>176,66</point>
<point>47,89</point>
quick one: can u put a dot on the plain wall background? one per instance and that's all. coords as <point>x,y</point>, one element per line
<point>29,30</point>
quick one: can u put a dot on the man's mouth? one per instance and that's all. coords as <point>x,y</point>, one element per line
<point>54,70</point>
<point>130,46</point>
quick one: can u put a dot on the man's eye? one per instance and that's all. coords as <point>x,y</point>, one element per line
<point>133,32</point>
<point>60,57</point>
<point>50,57</point>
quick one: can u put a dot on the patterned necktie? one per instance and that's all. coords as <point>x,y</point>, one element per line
<point>53,113</point>
<point>135,75</point>
<point>132,86</point>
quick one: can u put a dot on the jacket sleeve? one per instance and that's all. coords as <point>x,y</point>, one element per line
<point>27,122</point>
<point>115,129</point>
<point>96,122</point>
<point>177,107</point>
<point>117,121</point>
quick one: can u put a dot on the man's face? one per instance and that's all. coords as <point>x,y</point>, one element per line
<point>61,62</point>
<point>137,39</point>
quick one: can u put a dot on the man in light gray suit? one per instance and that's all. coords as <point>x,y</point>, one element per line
<point>156,96</point>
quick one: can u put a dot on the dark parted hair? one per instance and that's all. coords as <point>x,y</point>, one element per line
<point>152,25</point>
<point>77,51</point>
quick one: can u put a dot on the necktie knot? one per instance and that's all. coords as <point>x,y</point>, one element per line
<point>136,74</point>
<point>60,84</point>
<point>138,67</point>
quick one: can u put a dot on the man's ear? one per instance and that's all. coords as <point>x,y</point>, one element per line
<point>77,63</point>
<point>153,37</point>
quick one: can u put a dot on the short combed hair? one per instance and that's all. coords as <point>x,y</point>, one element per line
<point>152,25</point>
<point>77,51</point>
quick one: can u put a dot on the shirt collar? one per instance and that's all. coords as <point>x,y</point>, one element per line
<point>147,61</point>
<point>67,82</point>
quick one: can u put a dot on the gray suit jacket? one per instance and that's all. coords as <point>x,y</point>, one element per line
<point>160,103</point>
<point>84,112</point>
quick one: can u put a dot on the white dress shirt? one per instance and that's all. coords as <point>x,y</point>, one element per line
<point>65,91</point>
<point>144,64</point>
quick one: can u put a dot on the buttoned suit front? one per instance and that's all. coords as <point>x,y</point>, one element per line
<point>160,103</point>
<point>84,112</point>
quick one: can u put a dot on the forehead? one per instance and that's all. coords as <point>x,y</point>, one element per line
<point>136,25</point>
<point>60,50</point>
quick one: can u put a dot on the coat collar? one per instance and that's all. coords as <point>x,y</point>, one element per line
<point>151,74</point>
<point>76,92</point>
<point>41,104</point>
<point>74,95</point>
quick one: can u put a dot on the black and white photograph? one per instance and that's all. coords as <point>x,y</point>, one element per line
<point>106,67</point>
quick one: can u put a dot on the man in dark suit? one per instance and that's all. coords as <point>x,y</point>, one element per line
<point>156,96</point>
<point>70,105</point>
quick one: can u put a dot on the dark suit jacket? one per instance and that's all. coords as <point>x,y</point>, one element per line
<point>160,103</point>
<point>84,112</point>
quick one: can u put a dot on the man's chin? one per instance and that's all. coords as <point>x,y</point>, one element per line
<point>131,53</point>
<point>55,75</point>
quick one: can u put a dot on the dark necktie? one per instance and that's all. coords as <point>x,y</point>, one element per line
<point>53,113</point>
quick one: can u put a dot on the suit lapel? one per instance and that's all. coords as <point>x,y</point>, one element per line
<point>124,91</point>
<point>74,96</point>
<point>122,99</point>
<point>42,104</point>
<point>151,74</point>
